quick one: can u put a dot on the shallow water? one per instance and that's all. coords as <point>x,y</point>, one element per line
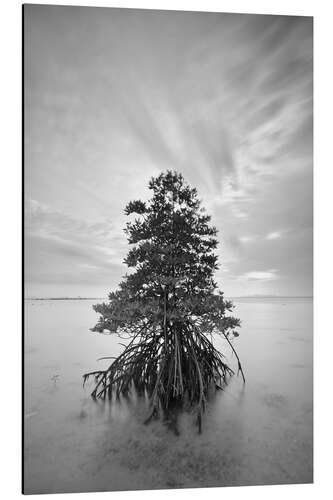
<point>257,434</point>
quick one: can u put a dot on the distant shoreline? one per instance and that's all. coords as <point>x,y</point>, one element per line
<point>228,298</point>
<point>64,298</point>
<point>272,297</point>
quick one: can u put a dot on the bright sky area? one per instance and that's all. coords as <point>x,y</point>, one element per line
<point>113,97</point>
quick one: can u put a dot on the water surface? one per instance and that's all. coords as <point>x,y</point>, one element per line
<point>257,434</point>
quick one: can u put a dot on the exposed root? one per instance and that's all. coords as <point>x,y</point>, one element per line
<point>175,364</point>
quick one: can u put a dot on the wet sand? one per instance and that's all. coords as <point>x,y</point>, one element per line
<point>257,434</point>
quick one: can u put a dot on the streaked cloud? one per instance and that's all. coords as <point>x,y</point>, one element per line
<point>274,235</point>
<point>260,275</point>
<point>115,96</point>
<point>246,239</point>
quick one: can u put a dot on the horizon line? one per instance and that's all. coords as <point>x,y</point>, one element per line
<point>257,296</point>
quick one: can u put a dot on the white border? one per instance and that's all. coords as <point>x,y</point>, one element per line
<point>10,200</point>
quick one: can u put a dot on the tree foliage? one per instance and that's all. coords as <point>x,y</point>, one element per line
<point>168,303</point>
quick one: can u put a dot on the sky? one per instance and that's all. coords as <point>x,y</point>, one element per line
<point>116,96</point>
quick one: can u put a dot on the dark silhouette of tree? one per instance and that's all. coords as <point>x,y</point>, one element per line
<point>169,305</point>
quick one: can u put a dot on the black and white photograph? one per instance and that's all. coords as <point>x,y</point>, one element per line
<point>168,249</point>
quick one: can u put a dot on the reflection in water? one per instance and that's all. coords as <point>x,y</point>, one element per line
<point>260,433</point>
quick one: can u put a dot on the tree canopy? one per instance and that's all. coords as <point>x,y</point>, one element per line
<point>168,302</point>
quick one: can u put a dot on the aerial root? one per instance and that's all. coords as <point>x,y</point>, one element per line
<point>181,369</point>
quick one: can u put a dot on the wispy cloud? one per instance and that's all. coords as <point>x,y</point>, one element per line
<point>115,96</point>
<point>246,239</point>
<point>63,249</point>
<point>274,235</point>
<point>269,275</point>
